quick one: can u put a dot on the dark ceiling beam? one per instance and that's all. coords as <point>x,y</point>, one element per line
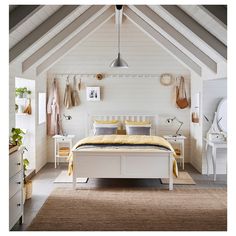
<point>197,29</point>
<point>218,11</point>
<point>20,14</point>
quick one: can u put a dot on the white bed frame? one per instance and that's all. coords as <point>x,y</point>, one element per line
<point>123,163</point>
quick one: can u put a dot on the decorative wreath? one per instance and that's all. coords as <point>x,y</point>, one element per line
<point>166,79</point>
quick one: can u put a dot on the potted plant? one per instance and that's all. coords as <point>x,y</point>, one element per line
<point>15,139</point>
<point>22,92</point>
<point>27,190</point>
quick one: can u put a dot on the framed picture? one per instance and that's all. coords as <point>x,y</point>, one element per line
<point>93,93</point>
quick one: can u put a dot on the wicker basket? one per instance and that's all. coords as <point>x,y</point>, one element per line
<point>29,188</point>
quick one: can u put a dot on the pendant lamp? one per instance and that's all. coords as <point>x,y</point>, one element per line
<point>119,62</point>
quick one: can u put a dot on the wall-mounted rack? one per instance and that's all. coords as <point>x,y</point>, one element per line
<point>59,75</point>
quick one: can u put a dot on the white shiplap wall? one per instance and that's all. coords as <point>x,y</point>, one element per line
<point>41,129</point>
<point>121,95</point>
<point>196,142</point>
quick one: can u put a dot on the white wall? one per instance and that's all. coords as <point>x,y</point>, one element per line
<point>196,128</point>
<point>213,92</point>
<point>121,95</point>
<point>41,129</point>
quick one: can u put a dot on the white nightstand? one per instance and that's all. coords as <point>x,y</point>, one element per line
<point>178,143</point>
<point>62,147</point>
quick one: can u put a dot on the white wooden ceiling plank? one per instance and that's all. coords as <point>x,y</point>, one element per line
<point>84,33</point>
<point>171,48</point>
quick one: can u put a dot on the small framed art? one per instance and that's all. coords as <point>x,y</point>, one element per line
<point>93,93</point>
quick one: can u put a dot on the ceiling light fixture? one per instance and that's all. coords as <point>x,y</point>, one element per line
<point>119,62</point>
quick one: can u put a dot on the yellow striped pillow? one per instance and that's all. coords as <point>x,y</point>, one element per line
<point>106,122</point>
<point>138,123</point>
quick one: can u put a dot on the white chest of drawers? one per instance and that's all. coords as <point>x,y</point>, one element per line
<point>16,182</point>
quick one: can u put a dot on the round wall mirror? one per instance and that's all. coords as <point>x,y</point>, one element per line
<point>222,115</point>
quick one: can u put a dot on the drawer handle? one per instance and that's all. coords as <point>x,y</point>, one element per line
<point>18,163</point>
<point>18,204</point>
<point>19,182</point>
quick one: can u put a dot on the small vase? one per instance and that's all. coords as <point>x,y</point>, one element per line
<point>20,109</point>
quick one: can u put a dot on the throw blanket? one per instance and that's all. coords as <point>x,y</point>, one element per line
<point>132,140</point>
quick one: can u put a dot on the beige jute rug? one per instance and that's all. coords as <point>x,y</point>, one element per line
<point>183,178</point>
<point>63,177</point>
<point>133,209</point>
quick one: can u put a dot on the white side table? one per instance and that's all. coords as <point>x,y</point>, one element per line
<point>214,146</point>
<point>60,140</point>
<point>177,142</point>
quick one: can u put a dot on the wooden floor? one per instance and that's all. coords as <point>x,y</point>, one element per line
<point>43,185</point>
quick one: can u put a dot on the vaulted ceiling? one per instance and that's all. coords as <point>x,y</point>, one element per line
<point>39,35</point>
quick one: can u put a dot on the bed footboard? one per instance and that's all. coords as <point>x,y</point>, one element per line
<point>122,165</point>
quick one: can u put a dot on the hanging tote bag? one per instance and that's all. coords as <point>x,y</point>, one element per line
<point>181,97</point>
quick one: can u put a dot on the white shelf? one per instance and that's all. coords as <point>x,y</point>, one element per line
<point>22,114</point>
<point>21,99</point>
<point>62,156</point>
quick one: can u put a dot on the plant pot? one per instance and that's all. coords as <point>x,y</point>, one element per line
<point>29,188</point>
<point>20,95</point>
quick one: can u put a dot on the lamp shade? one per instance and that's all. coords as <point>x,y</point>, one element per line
<point>119,62</point>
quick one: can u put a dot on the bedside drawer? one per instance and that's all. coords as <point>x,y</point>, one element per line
<point>15,208</point>
<point>15,183</point>
<point>15,163</point>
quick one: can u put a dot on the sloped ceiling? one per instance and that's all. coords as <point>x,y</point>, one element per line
<point>100,48</point>
<point>203,44</point>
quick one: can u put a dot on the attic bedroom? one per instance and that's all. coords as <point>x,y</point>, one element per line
<point>117,117</point>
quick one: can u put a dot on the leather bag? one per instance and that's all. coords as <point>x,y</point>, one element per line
<point>181,97</point>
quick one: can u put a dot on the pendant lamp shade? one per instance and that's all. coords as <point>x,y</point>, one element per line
<point>119,62</point>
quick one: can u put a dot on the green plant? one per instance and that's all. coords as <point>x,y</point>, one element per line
<point>16,136</point>
<point>21,91</point>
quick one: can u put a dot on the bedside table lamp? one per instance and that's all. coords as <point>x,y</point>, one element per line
<point>170,120</point>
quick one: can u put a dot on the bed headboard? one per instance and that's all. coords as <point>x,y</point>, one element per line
<point>153,119</point>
